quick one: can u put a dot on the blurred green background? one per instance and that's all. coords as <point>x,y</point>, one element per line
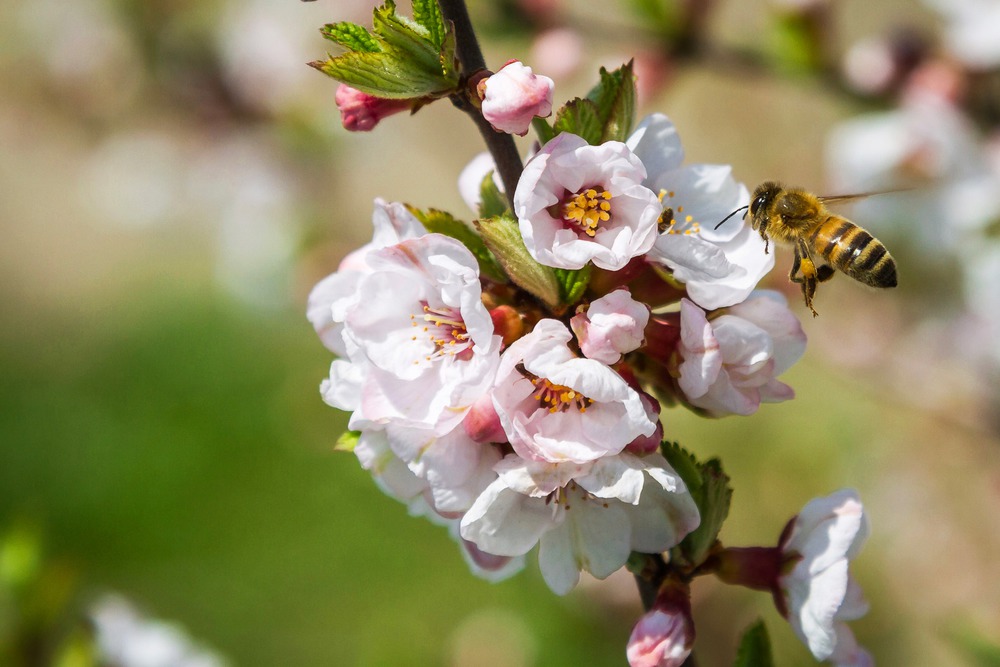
<point>173,180</point>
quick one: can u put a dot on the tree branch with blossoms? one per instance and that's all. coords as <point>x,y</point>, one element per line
<point>509,377</point>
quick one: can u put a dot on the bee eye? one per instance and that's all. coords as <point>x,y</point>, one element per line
<point>757,203</point>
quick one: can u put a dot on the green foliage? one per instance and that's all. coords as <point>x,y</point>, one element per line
<point>978,650</point>
<point>441,222</point>
<point>503,237</point>
<point>492,202</point>
<point>795,43</point>
<point>709,486</point>
<point>400,58</point>
<point>615,100</point>
<point>755,647</point>
<point>606,114</point>
<point>542,129</point>
<point>573,283</point>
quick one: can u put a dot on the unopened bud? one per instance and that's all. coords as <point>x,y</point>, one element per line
<point>360,112</point>
<point>664,636</point>
<point>513,96</point>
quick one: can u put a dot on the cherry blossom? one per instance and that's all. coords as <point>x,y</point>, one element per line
<point>586,516</point>
<point>577,203</point>
<point>719,267</point>
<point>729,364</point>
<point>611,326</point>
<point>819,592</point>
<point>360,112</point>
<point>515,95</point>
<point>664,635</point>
<point>555,406</point>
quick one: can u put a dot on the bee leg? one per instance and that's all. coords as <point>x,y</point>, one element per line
<point>809,277</point>
<point>763,234</point>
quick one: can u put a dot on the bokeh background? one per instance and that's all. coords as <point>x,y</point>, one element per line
<point>174,179</point>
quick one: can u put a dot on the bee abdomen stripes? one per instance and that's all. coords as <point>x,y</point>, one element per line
<point>854,251</point>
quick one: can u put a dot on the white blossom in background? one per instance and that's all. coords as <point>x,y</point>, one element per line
<point>729,364</point>
<point>470,179</point>
<point>820,594</point>
<point>719,267</point>
<point>587,516</point>
<point>611,326</point>
<point>971,33</point>
<point>515,95</point>
<point>578,203</point>
<point>556,407</point>
<point>126,638</point>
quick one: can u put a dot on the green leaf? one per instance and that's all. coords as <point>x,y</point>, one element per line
<point>427,13</point>
<point>615,100</point>
<point>492,202</point>
<point>573,283</point>
<point>978,650</point>
<point>503,238</point>
<point>795,44</point>
<point>351,36</point>
<point>709,486</point>
<point>347,441</point>
<point>543,130</point>
<point>398,59</point>
<point>755,648</point>
<point>580,117</point>
<point>440,222</point>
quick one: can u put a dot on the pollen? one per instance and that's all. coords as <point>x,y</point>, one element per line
<point>588,209</point>
<point>445,328</point>
<point>557,398</point>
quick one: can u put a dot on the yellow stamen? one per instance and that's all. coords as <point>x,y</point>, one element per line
<point>588,210</point>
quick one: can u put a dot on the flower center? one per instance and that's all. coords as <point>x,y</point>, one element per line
<point>587,210</point>
<point>445,328</point>
<point>555,397</point>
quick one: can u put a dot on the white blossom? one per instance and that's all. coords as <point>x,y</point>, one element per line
<point>583,516</point>
<point>821,595</point>
<point>555,406</point>
<point>719,267</point>
<point>729,363</point>
<point>577,203</point>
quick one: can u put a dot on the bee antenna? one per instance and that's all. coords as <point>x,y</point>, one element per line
<point>741,208</point>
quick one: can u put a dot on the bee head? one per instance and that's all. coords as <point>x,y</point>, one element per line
<point>763,196</point>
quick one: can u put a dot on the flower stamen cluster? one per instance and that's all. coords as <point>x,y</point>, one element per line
<point>447,332</point>
<point>588,210</point>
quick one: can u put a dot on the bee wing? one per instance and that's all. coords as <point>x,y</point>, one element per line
<point>861,195</point>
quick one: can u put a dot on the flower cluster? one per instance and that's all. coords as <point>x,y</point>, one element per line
<point>509,378</point>
<point>521,424</point>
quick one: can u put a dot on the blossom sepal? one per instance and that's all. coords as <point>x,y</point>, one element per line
<point>400,58</point>
<point>606,114</point>
<point>709,486</point>
<point>503,237</point>
<point>347,441</point>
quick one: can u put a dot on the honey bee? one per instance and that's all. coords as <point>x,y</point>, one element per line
<point>822,240</point>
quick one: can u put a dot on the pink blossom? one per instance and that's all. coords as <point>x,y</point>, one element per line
<point>611,326</point>
<point>664,636</point>
<point>555,406</point>
<point>577,203</point>
<point>729,364</point>
<point>360,112</point>
<point>513,96</point>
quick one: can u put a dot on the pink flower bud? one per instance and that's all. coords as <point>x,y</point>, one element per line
<point>665,635</point>
<point>513,96</point>
<point>360,112</point>
<point>482,423</point>
<point>508,323</point>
